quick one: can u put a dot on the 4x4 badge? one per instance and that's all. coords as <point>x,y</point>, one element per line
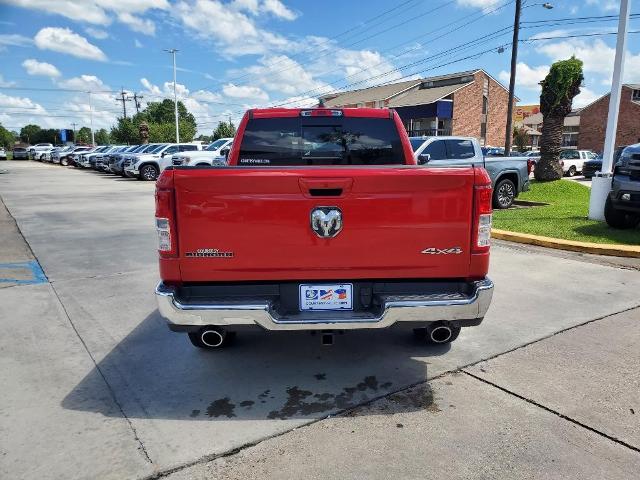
<point>442,251</point>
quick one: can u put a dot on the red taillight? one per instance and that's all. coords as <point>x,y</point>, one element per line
<point>482,212</point>
<point>530,164</point>
<point>165,223</point>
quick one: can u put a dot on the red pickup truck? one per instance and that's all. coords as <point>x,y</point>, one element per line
<point>322,221</point>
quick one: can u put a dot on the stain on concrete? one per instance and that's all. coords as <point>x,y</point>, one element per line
<point>320,376</point>
<point>247,403</point>
<point>305,402</point>
<point>194,413</point>
<point>417,398</point>
<point>221,407</point>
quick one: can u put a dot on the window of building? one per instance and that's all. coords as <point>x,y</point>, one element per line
<point>635,95</point>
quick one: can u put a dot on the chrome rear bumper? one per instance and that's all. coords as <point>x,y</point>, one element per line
<point>455,307</point>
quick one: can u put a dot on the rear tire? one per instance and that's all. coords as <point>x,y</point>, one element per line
<point>619,219</point>
<point>64,161</point>
<point>504,194</point>
<point>149,173</point>
<point>572,171</point>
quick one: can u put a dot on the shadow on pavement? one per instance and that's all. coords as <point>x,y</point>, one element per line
<point>157,374</point>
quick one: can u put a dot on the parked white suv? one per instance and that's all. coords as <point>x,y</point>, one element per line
<point>212,154</point>
<point>146,166</point>
<point>35,151</point>
<point>572,160</point>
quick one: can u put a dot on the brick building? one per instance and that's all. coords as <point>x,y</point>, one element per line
<point>593,120</point>
<point>470,103</point>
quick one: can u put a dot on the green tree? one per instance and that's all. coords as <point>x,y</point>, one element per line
<point>125,131</point>
<point>102,137</point>
<point>83,135</point>
<point>7,138</point>
<point>559,88</point>
<point>224,130</point>
<point>203,138</point>
<point>160,117</point>
<point>28,133</point>
<point>520,138</point>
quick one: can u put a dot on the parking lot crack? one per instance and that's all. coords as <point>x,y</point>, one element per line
<point>141,445</point>
<point>555,412</point>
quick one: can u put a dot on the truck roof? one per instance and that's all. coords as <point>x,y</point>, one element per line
<point>319,111</point>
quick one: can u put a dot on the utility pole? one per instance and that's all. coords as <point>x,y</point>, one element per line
<point>136,97</point>
<point>512,79</point>
<point>173,51</point>
<point>514,62</point>
<point>93,138</point>
<point>124,99</point>
<point>601,183</point>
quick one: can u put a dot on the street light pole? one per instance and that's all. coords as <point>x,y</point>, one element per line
<point>93,138</point>
<point>512,79</point>
<point>601,183</point>
<point>175,94</point>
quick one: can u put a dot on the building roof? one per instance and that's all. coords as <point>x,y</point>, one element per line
<point>421,96</point>
<point>411,92</point>
<point>370,94</point>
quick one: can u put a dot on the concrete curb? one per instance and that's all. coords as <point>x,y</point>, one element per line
<point>611,250</point>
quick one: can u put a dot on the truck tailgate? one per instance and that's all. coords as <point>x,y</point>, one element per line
<point>252,224</point>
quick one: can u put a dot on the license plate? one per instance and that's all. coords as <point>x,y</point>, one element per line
<point>326,297</point>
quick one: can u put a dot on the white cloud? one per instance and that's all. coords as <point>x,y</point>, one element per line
<point>596,55</point>
<point>361,65</point>
<point>153,89</point>
<point>85,83</point>
<point>34,67</point>
<point>277,8</point>
<point>526,76</point>
<point>15,40</point>
<point>233,31</point>
<point>606,5</point>
<point>6,83</point>
<point>96,33</point>
<point>245,92</point>
<point>137,24</point>
<point>283,75</point>
<point>585,97</point>
<point>485,5</point>
<point>64,40</point>
<point>137,43</point>
<point>99,12</point>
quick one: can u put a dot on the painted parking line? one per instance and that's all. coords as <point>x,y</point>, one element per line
<point>22,273</point>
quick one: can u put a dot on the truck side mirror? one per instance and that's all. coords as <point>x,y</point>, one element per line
<point>423,158</point>
<point>225,152</point>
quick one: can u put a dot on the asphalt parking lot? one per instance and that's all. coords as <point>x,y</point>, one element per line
<point>95,386</point>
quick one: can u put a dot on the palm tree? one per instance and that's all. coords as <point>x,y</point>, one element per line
<point>559,88</point>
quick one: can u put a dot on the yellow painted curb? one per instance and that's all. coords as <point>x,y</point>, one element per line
<point>611,250</point>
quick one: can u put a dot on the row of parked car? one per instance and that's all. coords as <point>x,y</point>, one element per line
<point>144,162</point>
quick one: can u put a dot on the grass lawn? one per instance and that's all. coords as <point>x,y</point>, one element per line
<point>565,216</point>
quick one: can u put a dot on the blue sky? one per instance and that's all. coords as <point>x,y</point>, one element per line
<point>237,54</point>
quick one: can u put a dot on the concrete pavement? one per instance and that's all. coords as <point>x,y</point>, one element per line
<point>160,405</point>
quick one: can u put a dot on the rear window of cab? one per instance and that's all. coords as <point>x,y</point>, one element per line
<point>320,141</point>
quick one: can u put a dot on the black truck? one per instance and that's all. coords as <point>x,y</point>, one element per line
<point>622,208</point>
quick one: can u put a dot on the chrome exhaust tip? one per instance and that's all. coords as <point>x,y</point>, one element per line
<point>213,338</point>
<point>440,334</point>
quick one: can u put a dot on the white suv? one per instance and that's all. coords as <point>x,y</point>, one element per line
<point>212,154</point>
<point>146,166</point>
